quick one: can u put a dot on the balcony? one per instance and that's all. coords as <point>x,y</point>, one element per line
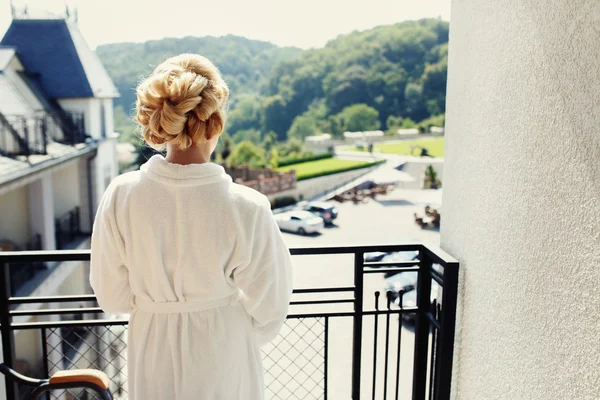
<point>25,135</point>
<point>338,342</point>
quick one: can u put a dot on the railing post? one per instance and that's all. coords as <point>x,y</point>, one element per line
<point>8,339</point>
<point>58,234</point>
<point>446,333</point>
<point>358,316</point>
<point>26,137</point>
<point>422,329</point>
<point>77,221</point>
<point>44,135</point>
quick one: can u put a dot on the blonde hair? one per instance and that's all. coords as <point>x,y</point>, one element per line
<point>183,102</point>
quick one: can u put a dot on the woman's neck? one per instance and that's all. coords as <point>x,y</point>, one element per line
<point>192,155</point>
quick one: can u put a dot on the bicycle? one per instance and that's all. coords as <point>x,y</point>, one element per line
<point>69,379</point>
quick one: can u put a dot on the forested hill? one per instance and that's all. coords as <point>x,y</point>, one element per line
<point>400,70</point>
<point>245,63</point>
<point>382,78</point>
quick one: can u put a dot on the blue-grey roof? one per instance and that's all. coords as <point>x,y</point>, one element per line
<point>55,52</point>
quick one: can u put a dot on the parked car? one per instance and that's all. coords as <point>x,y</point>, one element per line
<point>300,222</point>
<point>391,257</point>
<point>407,283</point>
<point>324,210</point>
<point>360,144</point>
<point>375,256</point>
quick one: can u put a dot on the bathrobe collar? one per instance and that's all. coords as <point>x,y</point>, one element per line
<point>159,169</point>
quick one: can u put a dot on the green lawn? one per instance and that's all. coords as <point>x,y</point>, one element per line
<point>328,166</point>
<point>435,147</point>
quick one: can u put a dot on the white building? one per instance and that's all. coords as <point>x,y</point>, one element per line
<point>363,137</point>
<point>57,155</point>
<point>319,144</point>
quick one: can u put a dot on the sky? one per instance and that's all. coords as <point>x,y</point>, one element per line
<point>301,23</point>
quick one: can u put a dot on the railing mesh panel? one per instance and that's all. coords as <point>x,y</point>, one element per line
<point>294,362</point>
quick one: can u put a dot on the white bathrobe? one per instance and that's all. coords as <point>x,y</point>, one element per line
<point>201,267</point>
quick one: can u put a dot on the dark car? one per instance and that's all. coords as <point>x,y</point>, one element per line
<point>402,282</point>
<point>388,257</point>
<point>406,282</point>
<point>323,210</point>
<point>375,256</point>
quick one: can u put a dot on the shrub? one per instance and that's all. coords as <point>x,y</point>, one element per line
<point>299,160</point>
<point>338,171</point>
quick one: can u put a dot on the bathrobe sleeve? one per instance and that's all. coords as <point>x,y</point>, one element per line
<point>266,279</point>
<point>109,276</point>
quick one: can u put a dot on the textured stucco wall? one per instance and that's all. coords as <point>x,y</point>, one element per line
<point>65,188</point>
<point>522,197</point>
<point>14,216</point>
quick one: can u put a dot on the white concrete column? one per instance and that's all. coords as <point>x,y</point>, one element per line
<point>86,194</point>
<point>41,210</point>
<point>522,197</point>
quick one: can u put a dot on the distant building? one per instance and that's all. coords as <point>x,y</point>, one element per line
<point>57,156</point>
<point>408,132</point>
<point>436,130</point>
<point>319,144</point>
<point>362,139</point>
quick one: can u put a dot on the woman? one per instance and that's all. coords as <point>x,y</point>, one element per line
<point>196,260</point>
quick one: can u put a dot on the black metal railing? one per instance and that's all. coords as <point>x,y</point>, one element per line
<point>334,343</point>
<point>22,272</point>
<point>23,135</point>
<point>67,228</point>
<point>75,132</point>
<point>31,134</point>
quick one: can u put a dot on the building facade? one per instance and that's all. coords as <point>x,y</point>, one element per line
<point>521,197</point>
<point>57,156</point>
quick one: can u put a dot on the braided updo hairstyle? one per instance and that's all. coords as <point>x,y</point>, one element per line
<point>182,102</point>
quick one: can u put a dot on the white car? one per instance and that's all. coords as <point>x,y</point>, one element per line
<point>301,222</point>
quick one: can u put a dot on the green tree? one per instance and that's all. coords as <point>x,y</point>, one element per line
<point>274,158</point>
<point>251,135</point>
<point>269,141</point>
<point>226,151</point>
<point>408,123</point>
<point>303,126</point>
<point>393,122</point>
<point>436,120</point>
<point>434,87</point>
<point>246,153</point>
<point>346,88</point>
<point>245,114</point>
<point>372,67</point>
<point>431,178</point>
<point>275,116</point>
<point>245,64</point>
<point>358,117</point>
<point>398,70</point>
<point>413,98</point>
<point>292,148</point>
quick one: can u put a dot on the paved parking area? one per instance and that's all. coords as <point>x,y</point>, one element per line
<point>386,220</point>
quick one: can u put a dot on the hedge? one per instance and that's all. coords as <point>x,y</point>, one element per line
<point>338,171</point>
<point>299,160</point>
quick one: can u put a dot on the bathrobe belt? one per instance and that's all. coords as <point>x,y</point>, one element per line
<point>171,307</point>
